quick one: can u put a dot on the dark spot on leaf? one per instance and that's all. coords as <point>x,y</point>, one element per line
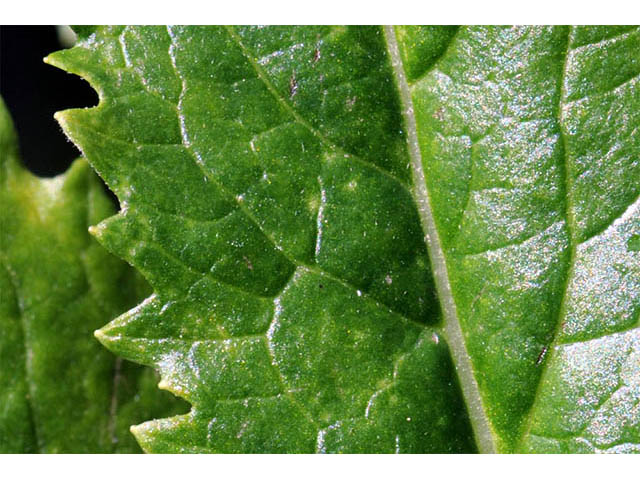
<point>293,86</point>
<point>541,355</point>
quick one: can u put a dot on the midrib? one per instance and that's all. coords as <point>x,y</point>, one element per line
<point>452,331</point>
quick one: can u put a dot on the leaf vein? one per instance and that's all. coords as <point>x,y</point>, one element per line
<point>452,328</point>
<point>241,206</point>
<point>568,214</point>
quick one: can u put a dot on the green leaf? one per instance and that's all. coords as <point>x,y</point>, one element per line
<point>287,190</point>
<point>59,390</point>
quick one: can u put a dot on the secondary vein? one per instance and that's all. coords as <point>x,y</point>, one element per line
<point>198,162</point>
<point>452,330</point>
<point>570,222</point>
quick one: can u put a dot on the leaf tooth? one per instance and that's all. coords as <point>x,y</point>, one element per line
<point>163,384</point>
<point>75,60</point>
<point>143,434</point>
<point>107,339</point>
<point>159,436</point>
<point>97,231</point>
<point>115,334</point>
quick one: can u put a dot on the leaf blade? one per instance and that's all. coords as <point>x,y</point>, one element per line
<point>311,257</point>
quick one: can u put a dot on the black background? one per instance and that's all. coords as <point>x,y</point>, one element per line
<point>34,91</point>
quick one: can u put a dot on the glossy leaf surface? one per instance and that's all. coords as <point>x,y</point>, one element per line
<point>529,141</point>
<point>287,190</point>
<point>60,391</point>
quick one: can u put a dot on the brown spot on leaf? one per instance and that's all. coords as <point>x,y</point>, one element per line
<point>293,86</point>
<point>542,354</point>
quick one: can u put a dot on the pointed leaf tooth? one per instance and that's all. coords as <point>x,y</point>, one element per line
<point>170,435</point>
<point>59,390</point>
